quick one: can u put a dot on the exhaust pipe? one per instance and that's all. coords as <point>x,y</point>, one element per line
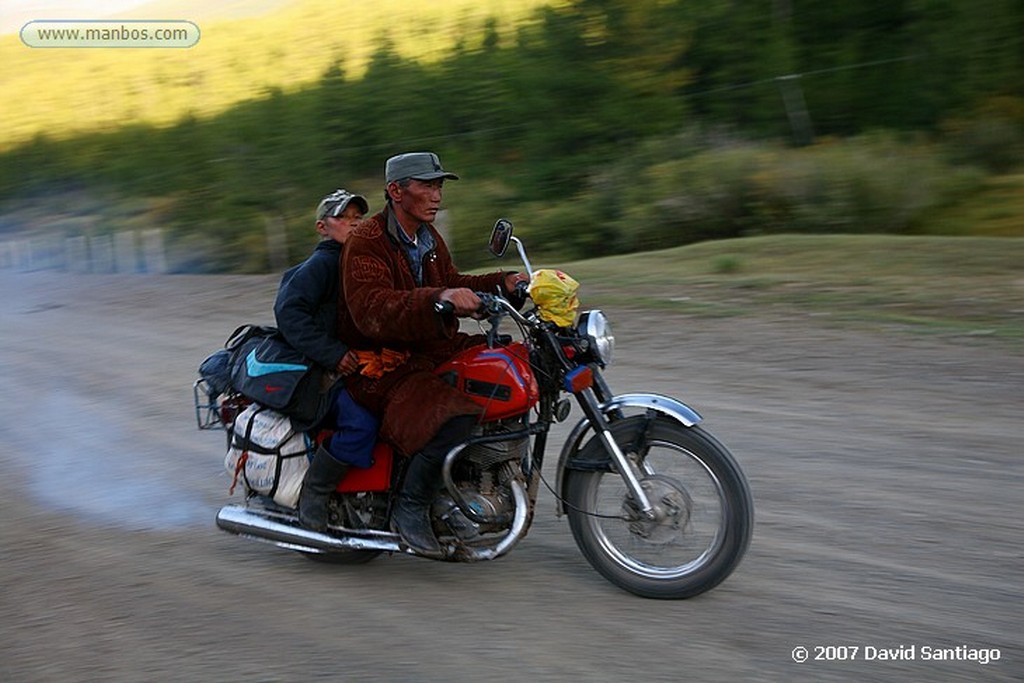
<point>285,532</point>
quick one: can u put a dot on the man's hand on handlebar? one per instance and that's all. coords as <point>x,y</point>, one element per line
<point>514,281</point>
<point>465,303</point>
<point>518,287</point>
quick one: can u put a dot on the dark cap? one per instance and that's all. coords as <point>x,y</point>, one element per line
<point>333,204</point>
<point>415,165</point>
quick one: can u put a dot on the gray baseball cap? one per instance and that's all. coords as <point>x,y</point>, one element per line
<point>334,203</point>
<point>415,165</point>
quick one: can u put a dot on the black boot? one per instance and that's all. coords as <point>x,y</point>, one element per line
<point>321,479</point>
<point>411,516</point>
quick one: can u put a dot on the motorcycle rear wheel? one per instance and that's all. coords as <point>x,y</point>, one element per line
<point>703,506</point>
<point>370,512</point>
<point>342,557</point>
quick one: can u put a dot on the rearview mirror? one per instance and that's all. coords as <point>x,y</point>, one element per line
<point>501,234</point>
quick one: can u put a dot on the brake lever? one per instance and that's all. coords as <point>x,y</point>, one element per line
<point>492,311</point>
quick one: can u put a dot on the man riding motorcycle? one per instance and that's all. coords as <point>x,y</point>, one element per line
<point>397,274</point>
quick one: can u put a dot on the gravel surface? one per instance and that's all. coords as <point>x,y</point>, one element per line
<point>886,470</point>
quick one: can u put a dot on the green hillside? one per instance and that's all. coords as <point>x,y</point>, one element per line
<point>971,286</point>
<point>607,126</point>
<point>205,11</point>
<point>63,92</point>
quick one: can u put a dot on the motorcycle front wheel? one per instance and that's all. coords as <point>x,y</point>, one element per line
<point>703,510</point>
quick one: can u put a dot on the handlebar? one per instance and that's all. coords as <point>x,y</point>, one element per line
<point>444,307</point>
<point>491,305</point>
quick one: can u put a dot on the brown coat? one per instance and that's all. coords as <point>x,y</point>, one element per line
<point>382,307</point>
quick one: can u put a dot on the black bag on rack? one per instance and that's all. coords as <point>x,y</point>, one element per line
<point>267,370</point>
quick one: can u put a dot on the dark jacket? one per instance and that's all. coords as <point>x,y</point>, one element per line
<point>306,308</point>
<point>384,308</point>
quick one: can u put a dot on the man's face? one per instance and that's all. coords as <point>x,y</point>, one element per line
<point>338,228</point>
<point>421,199</point>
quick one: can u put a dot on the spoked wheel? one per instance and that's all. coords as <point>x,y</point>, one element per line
<point>703,513</point>
<point>342,556</point>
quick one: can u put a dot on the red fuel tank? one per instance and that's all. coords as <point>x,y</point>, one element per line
<point>498,379</point>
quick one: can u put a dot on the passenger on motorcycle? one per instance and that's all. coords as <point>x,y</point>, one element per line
<point>306,312</point>
<point>396,271</point>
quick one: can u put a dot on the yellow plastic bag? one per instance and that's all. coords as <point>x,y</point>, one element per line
<point>554,292</point>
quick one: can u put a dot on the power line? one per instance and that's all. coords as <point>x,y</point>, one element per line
<point>428,138</point>
<point>815,72</point>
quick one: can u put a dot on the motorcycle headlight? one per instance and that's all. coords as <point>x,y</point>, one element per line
<point>595,327</point>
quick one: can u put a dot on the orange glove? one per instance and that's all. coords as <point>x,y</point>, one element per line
<point>375,365</point>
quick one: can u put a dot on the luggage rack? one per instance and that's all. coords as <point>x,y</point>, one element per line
<point>216,411</point>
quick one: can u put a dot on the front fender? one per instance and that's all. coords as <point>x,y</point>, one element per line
<point>664,405</point>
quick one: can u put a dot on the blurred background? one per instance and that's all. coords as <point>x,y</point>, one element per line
<point>598,126</point>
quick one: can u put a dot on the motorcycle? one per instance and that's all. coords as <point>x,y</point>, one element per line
<point>654,502</point>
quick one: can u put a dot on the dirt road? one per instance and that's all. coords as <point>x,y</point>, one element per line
<point>886,468</point>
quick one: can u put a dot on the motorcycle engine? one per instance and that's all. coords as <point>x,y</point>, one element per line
<point>481,474</point>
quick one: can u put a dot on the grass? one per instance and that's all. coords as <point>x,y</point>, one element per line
<point>996,211</point>
<point>957,285</point>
